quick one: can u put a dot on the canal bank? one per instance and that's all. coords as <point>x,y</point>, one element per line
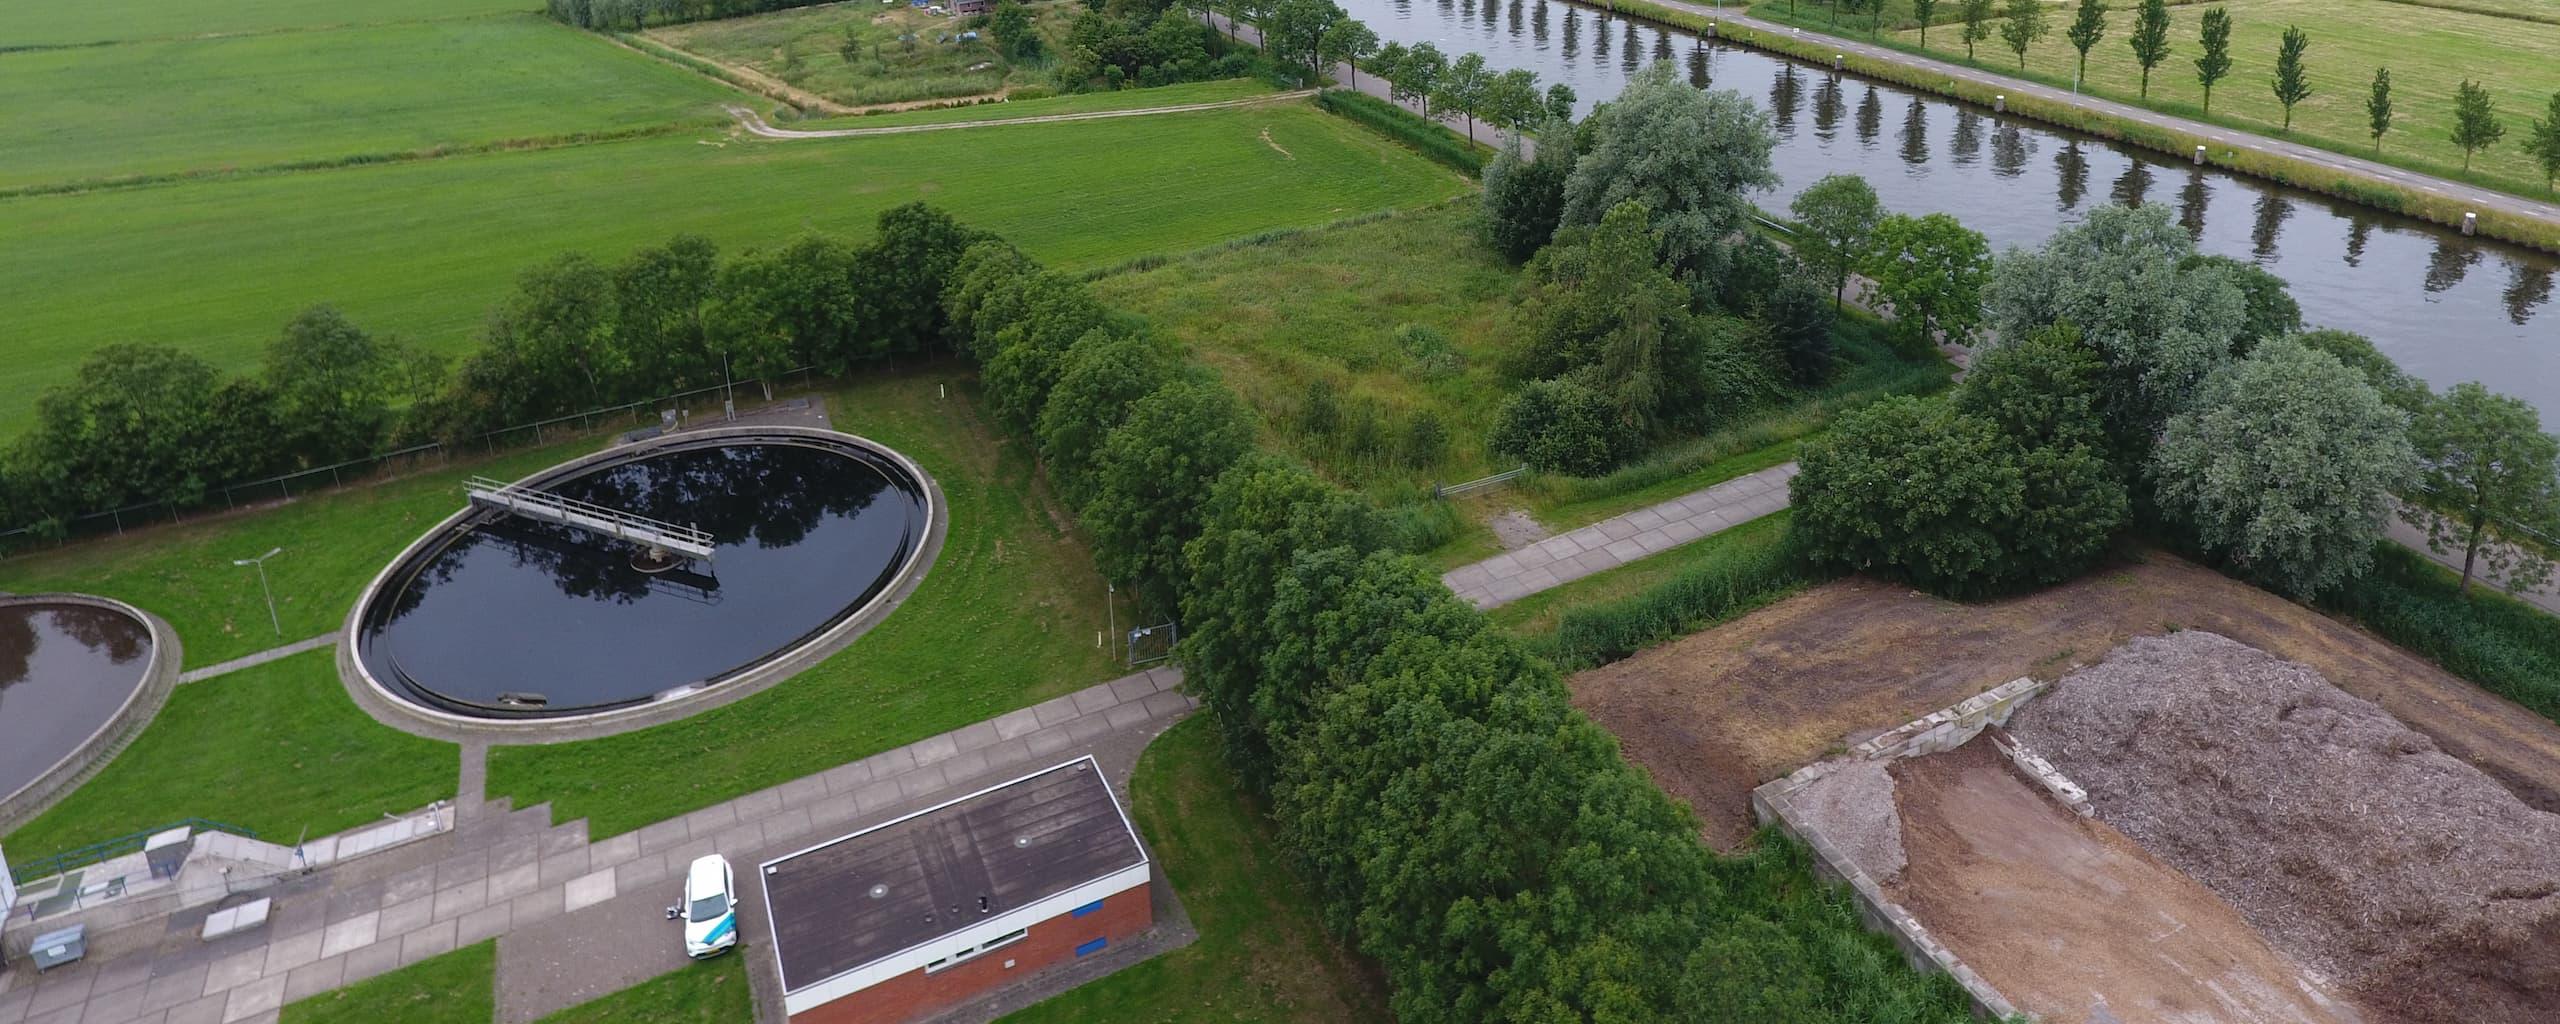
<point>2501,215</point>
<point>2447,308</point>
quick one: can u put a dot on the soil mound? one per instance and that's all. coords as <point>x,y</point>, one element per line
<point>2347,838</point>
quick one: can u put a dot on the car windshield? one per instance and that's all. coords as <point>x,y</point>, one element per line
<point>710,907</point>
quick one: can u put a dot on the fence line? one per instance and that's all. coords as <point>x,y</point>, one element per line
<point>1478,484</point>
<point>286,486</point>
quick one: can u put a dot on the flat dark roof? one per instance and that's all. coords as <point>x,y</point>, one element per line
<point>1015,844</point>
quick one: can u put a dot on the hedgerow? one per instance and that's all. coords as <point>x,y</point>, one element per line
<point>1458,820</point>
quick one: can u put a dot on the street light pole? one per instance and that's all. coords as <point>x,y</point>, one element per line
<point>261,563</point>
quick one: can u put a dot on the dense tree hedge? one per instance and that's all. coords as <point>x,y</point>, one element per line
<point>1459,820</point>
<point>152,425</point>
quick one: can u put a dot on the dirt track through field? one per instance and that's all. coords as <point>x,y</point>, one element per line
<point>1717,713</point>
<point>2072,920</point>
<point>755,125</point>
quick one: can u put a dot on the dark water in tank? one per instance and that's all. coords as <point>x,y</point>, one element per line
<point>64,670</point>
<point>805,534</point>
<point>2447,308</point>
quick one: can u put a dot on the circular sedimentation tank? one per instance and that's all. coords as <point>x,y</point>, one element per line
<point>68,669</point>
<point>499,614</point>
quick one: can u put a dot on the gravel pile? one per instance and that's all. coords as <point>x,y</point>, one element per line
<point>2345,837</point>
<point>1852,807</point>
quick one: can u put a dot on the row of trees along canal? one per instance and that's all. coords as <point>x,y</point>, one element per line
<point>2020,24</point>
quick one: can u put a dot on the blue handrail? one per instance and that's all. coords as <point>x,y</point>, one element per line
<point>47,867</point>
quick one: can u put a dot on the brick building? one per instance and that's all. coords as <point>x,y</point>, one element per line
<point>917,914</point>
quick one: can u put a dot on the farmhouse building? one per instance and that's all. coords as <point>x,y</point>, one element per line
<point>965,8</point>
<point>923,912</point>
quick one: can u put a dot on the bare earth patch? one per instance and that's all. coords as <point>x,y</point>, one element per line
<point>2072,920</point>
<point>1714,714</point>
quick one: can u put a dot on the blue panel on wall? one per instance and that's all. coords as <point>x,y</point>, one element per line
<point>1094,946</point>
<point>1086,909</point>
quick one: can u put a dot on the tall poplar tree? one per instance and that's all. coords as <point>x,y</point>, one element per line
<point>2088,26</point>
<point>2150,39</point>
<point>2291,82</point>
<point>2377,107</point>
<point>2216,62</point>
<point>2475,121</point>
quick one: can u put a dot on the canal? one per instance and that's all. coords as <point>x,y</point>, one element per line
<point>2447,308</point>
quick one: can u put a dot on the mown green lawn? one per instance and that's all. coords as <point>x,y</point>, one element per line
<point>710,991</point>
<point>75,22</point>
<point>1262,955</point>
<point>460,987</point>
<point>424,249</point>
<point>244,102</point>
<point>1009,615</point>
<point>277,749</point>
<point>2429,50</point>
<point>1272,318</point>
<point>333,543</point>
<point>1074,103</point>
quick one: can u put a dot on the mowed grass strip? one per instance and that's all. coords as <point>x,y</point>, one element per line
<point>1262,955</point>
<point>710,991</point>
<point>277,749</point>
<point>1009,615</point>
<point>1272,317</point>
<point>460,987</point>
<point>423,250</point>
<point>85,22</point>
<point>2429,51</point>
<point>246,102</point>
<point>1075,103</point>
<point>333,543</point>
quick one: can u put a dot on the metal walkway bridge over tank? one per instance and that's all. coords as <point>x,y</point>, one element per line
<point>688,541</point>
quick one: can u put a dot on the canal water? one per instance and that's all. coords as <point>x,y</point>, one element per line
<point>2447,308</point>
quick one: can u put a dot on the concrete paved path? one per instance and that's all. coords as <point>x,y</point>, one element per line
<point>1618,540</point>
<point>575,919</point>
<point>2229,138</point>
<point>756,125</point>
<point>260,658</point>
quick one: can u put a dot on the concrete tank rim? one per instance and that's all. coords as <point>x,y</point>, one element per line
<point>389,708</point>
<point>157,678</point>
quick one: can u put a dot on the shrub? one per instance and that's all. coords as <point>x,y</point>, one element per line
<point>2505,645</point>
<point>1429,351</point>
<point>1918,488</point>
<point>1562,426</point>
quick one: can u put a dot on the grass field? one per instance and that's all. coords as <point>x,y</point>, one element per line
<point>218,267</point>
<point>276,749</point>
<point>30,24</point>
<point>710,991</point>
<point>1262,956</point>
<point>333,545</point>
<point>1326,305</point>
<point>460,987</point>
<point>2430,51</point>
<point>1073,103</point>
<point>243,102</point>
<point>807,48</point>
<point>1008,616</point>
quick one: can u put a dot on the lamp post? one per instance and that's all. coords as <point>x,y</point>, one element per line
<point>261,563</point>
